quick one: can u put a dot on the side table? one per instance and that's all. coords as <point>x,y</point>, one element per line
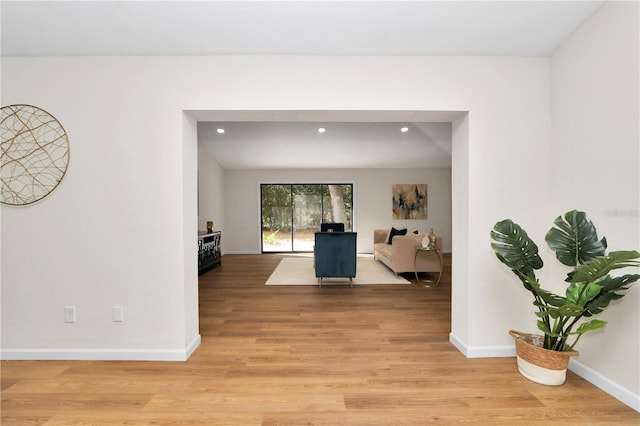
<point>428,252</point>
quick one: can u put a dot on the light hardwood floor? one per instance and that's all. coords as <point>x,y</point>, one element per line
<point>296,355</point>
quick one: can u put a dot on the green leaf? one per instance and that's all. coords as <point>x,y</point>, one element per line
<point>514,248</point>
<point>543,327</point>
<point>612,289</point>
<point>590,326</point>
<point>553,312</point>
<point>573,292</point>
<point>547,297</point>
<point>598,268</point>
<point>574,239</point>
<point>582,293</point>
<point>570,310</point>
<point>622,282</point>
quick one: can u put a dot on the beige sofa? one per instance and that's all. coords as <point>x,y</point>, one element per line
<point>400,255</point>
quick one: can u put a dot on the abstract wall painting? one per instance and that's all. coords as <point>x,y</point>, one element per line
<point>409,201</point>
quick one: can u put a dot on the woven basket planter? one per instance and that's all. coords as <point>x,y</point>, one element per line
<point>538,364</point>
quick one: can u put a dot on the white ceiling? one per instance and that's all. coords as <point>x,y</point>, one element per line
<point>141,28</point>
<point>343,145</point>
<point>512,28</point>
<point>353,139</point>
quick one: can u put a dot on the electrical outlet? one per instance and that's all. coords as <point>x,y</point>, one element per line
<point>118,314</point>
<point>69,314</point>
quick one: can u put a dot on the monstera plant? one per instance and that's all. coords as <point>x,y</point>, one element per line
<point>590,285</point>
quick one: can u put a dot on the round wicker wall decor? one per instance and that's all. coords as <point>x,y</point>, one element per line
<point>34,154</point>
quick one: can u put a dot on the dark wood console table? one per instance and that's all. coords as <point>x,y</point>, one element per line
<point>209,253</point>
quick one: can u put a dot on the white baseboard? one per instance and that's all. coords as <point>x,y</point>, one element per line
<point>482,351</point>
<point>101,354</point>
<point>458,344</point>
<point>607,385</point>
<point>612,388</point>
<point>191,347</point>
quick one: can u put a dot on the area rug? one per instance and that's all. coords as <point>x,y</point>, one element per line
<point>299,271</point>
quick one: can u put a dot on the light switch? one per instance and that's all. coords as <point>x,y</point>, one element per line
<point>118,314</point>
<point>69,314</point>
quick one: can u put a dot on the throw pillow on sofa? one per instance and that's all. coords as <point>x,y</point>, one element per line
<point>395,232</point>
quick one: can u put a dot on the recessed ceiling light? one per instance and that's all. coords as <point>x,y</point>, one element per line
<point>322,130</point>
<point>404,129</point>
<point>220,130</point>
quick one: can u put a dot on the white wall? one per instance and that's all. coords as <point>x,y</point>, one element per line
<point>116,230</point>
<point>211,200</point>
<point>596,152</point>
<point>372,201</point>
<point>112,233</point>
<point>190,302</point>
<point>125,186</point>
<point>460,217</point>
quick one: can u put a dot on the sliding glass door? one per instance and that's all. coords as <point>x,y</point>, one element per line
<point>291,213</point>
<point>307,211</point>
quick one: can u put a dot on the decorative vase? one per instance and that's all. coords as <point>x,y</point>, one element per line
<point>540,365</point>
<point>432,240</point>
<point>209,227</point>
